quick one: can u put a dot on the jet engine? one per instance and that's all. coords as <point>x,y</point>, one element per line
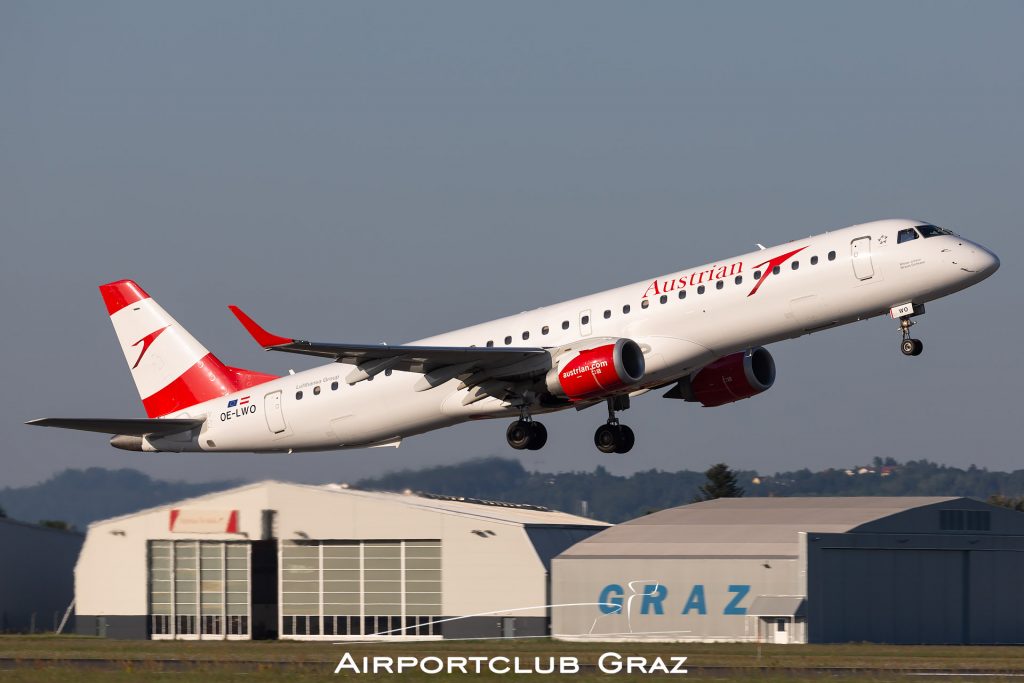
<point>729,379</point>
<point>603,368</point>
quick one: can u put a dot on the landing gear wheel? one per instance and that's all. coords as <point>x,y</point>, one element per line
<point>538,436</point>
<point>518,434</point>
<point>912,347</point>
<point>626,439</point>
<point>606,438</point>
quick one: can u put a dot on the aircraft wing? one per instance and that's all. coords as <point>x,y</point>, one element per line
<point>131,427</point>
<point>448,361</point>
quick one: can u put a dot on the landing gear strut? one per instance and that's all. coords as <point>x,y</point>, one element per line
<point>524,433</point>
<point>909,346</point>
<point>613,437</point>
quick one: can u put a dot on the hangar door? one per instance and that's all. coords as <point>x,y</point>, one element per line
<point>199,590</point>
<point>332,589</point>
<point>916,596</point>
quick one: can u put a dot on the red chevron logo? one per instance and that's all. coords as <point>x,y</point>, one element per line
<point>146,342</point>
<point>770,266</point>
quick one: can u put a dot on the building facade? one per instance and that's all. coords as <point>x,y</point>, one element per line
<point>794,570</point>
<point>36,575</point>
<point>277,560</point>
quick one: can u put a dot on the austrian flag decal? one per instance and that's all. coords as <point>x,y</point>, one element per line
<point>238,402</point>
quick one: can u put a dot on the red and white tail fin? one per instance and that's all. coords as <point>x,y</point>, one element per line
<point>172,370</point>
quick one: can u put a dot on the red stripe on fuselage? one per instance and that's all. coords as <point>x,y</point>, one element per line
<point>207,379</point>
<point>117,295</point>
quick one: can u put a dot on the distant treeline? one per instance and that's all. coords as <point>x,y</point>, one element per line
<point>81,496</point>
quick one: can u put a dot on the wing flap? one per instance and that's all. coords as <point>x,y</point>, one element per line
<point>130,427</point>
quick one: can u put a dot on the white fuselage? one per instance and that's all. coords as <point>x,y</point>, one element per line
<point>682,321</point>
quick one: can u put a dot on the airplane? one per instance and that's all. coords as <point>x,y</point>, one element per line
<point>699,333</point>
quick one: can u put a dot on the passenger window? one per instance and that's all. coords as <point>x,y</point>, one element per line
<point>814,260</point>
<point>508,340</point>
<point>831,256</point>
<point>682,293</point>
<point>645,303</point>
<point>316,390</point>
<point>796,265</point>
<point>526,335</point>
<point>776,270</point>
<point>757,274</point>
<point>585,320</point>
<point>490,343</point>
<point>906,235</point>
<point>545,329</point>
<point>739,280</point>
<point>700,290</point>
<point>720,284</point>
<point>664,298</point>
<point>565,324</point>
<point>298,395</point>
<point>334,386</point>
<point>607,314</point>
<point>625,309</point>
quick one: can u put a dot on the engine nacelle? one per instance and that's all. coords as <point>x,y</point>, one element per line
<point>730,379</point>
<point>601,369</point>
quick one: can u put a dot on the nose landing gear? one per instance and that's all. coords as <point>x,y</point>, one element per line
<point>613,437</point>
<point>909,346</point>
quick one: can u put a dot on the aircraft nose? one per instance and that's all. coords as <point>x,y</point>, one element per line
<point>979,260</point>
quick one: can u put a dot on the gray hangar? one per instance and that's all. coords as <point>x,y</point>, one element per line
<point>290,561</point>
<point>796,570</point>
<point>35,575</point>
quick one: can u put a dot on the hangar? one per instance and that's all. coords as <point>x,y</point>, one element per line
<point>291,561</point>
<point>36,576</point>
<point>795,570</point>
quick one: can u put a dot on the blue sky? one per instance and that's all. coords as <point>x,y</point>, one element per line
<point>365,172</point>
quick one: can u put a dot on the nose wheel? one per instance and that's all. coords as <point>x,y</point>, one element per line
<point>909,346</point>
<point>613,437</point>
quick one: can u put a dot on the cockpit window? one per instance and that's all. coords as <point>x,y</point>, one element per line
<point>929,230</point>
<point>906,235</point>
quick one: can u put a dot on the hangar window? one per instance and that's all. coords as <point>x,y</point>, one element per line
<point>359,588</point>
<point>965,520</point>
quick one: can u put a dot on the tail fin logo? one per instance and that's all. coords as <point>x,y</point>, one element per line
<point>146,342</point>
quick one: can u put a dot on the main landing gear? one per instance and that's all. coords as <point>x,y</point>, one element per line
<point>613,437</point>
<point>524,433</point>
<point>909,346</point>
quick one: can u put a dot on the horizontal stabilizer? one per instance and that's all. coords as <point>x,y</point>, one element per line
<point>131,427</point>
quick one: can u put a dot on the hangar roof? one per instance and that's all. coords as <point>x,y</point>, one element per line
<point>284,493</point>
<point>760,527</point>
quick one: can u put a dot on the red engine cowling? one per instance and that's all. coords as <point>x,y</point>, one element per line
<point>600,370</point>
<point>731,379</point>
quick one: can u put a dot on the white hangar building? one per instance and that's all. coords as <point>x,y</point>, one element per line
<point>785,570</point>
<point>290,561</point>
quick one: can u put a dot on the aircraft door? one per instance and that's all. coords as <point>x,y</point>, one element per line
<point>860,252</point>
<point>272,409</point>
<point>585,325</point>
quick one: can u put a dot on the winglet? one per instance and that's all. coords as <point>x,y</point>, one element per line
<point>262,337</point>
